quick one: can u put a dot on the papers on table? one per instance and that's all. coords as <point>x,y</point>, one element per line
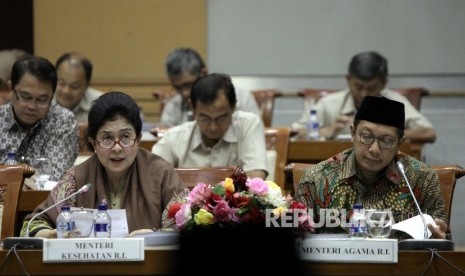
<point>147,136</point>
<point>49,185</point>
<point>343,137</point>
<point>414,226</point>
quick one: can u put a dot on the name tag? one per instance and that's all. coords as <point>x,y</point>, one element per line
<point>93,250</point>
<point>348,250</point>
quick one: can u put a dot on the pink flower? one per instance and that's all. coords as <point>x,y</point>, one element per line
<point>222,211</point>
<point>183,215</point>
<point>199,194</point>
<point>257,186</point>
<point>234,216</point>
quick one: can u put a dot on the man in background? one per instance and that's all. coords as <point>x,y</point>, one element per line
<point>183,67</point>
<point>219,135</point>
<point>368,72</point>
<point>31,124</point>
<point>7,59</point>
<point>73,90</point>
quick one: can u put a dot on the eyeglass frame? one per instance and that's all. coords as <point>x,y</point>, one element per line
<point>201,119</point>
<point>33,101</point>
<point>116,142</point>
<point>380,140</point>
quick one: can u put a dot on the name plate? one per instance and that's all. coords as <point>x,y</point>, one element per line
<point>93,250</point>
<point>348,250</point>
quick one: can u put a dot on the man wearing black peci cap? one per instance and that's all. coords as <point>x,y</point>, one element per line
<point>367,173</point>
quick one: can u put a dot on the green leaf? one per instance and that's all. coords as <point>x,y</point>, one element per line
<point>219,190</point>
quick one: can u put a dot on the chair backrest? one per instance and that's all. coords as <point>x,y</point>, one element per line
<point>208,175</point>
<point>83,142</point>
<point>277,141</point>
<point>266,101</point>
<point>293,173</point>
<point>414,95</point>
<point>448,175</point>
<point>314,94</point>
<point>11,185</point>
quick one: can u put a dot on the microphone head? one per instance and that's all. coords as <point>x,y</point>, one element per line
<point>400,166</point>
<point>85,188</point>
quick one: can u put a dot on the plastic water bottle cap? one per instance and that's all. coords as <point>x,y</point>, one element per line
<point>102,207</point>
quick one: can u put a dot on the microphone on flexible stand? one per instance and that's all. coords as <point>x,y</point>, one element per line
<point>34,242</point>
<point>425,243</point>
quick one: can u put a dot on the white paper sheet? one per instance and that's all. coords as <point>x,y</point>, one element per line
<point>414,226</point>
<point>49,185</point>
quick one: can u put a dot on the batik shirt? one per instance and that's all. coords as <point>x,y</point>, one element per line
<point>55,137</point>
<point>334,184</point>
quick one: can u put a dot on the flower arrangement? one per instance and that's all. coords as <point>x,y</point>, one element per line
<point>234,202</point>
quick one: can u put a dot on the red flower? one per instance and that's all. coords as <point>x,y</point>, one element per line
<point>239,178</point>
<point>297,205</point>
<point>242,201</point>
<point>174,208</point>
<point>253,216</point>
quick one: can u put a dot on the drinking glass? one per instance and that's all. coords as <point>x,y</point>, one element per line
<point>83,223</point>
<point>43,169</point>
<point>379,223</point>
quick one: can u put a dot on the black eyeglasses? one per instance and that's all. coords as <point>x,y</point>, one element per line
<point>110,143</point>
<point>28,100</point>
<point>220,121</point>
<point>383,142</point>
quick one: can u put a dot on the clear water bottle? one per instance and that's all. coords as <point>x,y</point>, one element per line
<point>102,222</point>
<point>11,159</point>
<point>65,223</point>
<point>313,126</point>
<point>358,222</point>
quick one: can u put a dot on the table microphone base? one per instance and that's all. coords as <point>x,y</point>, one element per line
<point>422,244</point>
<point>23,243</point>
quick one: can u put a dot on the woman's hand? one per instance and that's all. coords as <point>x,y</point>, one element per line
<point>438,232</point>
<point>140,231</point>
<point>47,233</point>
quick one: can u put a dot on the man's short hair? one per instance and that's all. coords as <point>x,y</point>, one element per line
<point>183,60</point>
<point>368,66</point>
<point>85,63</point>
<point>207,88</point>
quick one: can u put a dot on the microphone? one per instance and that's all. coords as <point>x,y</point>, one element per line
<point>33,242</point>
<point>425,243</point>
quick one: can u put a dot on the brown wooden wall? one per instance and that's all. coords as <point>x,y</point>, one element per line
<point>126,40</point>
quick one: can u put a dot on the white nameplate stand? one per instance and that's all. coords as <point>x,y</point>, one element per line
<point>93,250</point>
<point>336,249</point>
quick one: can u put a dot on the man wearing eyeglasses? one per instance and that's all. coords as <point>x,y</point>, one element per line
<point>31,125</point>
<point>183,67</point>
<point>367,172</point>
<point>367,76</point>
<point>218,136</point>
